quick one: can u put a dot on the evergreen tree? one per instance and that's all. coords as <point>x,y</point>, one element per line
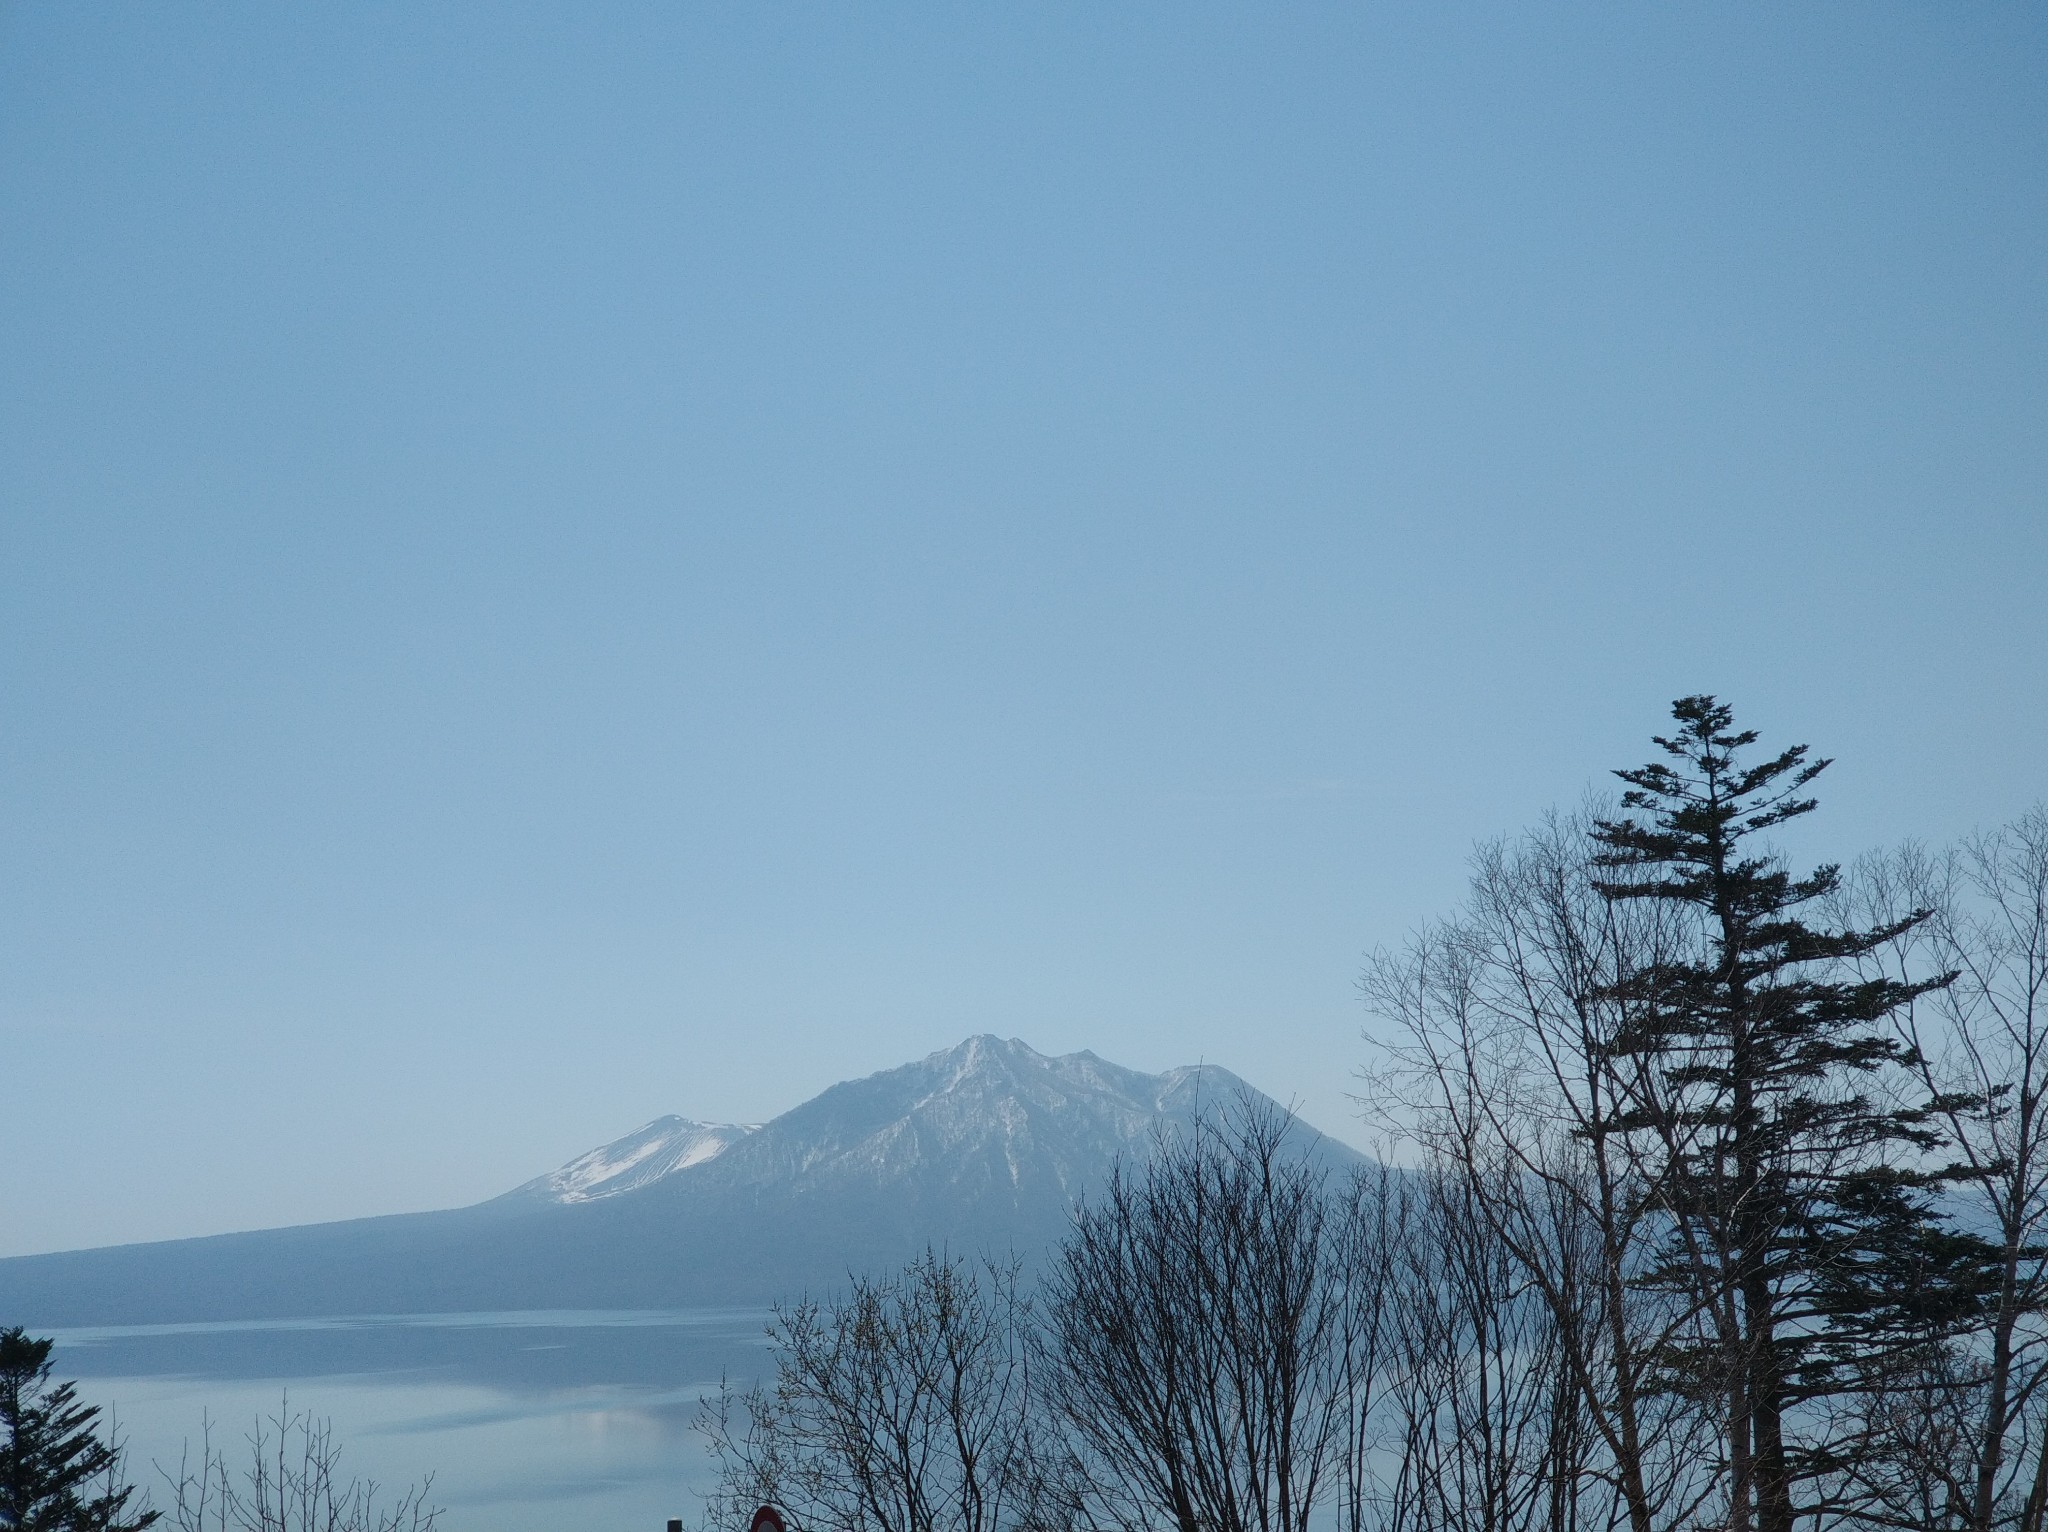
<point>56,1475</point>
<point>1800,1198</point>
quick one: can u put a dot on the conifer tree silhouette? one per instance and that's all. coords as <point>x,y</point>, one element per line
<point>56,1475</point>
<point>1800,1193</point>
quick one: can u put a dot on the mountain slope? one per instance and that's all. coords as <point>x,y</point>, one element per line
<point>642,1157</point>
<point>981,1146</point>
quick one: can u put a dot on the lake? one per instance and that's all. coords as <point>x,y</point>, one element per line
<point>527,1421</point>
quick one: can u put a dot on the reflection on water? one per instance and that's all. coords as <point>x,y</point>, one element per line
<point>528,1421</point>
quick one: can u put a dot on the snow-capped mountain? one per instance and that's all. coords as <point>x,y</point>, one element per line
<point>984,1146</point>
<point>665,1146</point>
<point>987,1116</point>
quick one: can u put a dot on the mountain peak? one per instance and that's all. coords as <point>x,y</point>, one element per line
<point>983,1050</point>
<point>989,1115</point>
<point>644,1156</point>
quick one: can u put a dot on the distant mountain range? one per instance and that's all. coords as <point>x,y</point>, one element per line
<point>984,1146</point>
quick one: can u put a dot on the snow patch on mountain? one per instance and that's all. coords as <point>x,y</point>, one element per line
<point>642,1157</point>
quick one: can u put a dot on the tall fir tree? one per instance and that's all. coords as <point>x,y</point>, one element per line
<point>1800,1192</point>
<point>56,1475</point>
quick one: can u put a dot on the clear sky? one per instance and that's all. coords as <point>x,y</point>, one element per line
<point>564,563</point>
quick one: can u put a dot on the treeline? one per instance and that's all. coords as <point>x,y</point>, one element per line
<point>1715,1200</point>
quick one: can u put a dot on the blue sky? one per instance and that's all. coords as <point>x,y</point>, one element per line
<point>563,563</point>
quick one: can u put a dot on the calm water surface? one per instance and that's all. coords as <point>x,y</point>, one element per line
<point>554,1419</point>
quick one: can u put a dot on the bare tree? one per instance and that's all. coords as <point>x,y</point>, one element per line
<point>902,1408</point>
<point>1969,1448</point>
<point>291,1483</point>
<point>1370,1260</point>
<point>1207,1341</point>
<point>1486,1430</point>
<point>1506,1063</point>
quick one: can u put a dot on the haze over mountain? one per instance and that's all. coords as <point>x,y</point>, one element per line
<point>984,1145</point>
